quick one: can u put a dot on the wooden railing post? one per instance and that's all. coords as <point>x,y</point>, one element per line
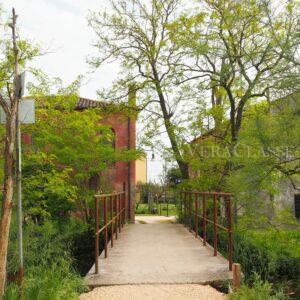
<point>96,236</point>
<point>119,213</point>
<point>204,218</point>
<point>105,229</point>
<point>116,214</point>
<point>185,209</point>
<point>230,235</point>
<point>237,276</point>
<point>124,201</point>
<point>112,221</point>
<point>190,210</point>
<point>215,225</point>
<point>217,222</point>
<point>196,214</point>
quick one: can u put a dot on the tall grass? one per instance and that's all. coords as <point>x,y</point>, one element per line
<point>49,271</point>
<point>260,290</point>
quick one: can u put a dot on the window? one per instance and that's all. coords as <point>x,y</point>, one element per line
<point>297,206</point>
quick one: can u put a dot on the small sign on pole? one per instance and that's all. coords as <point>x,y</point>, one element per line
<point>26,112</point>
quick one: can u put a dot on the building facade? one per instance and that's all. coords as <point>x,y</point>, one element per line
<point>122,175</point>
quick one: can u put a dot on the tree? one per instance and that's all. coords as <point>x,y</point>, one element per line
<point>173,177</point>
<point>69,135</point>
<point>266,162</point>
<point>14,55</point>
<point>136,34</point>
<point>238,50</point>
<point>47,191</point>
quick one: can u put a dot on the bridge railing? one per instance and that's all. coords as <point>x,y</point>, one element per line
<point>210,208</point>
<point>110,217</point>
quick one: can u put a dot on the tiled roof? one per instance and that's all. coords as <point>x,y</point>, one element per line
<point>84,103</point>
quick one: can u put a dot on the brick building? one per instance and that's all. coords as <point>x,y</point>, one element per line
<point>122,175</point>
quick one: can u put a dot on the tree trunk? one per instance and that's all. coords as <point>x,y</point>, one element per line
<point>183,166</point>
<point>7,198</point>
<point>10,140</point>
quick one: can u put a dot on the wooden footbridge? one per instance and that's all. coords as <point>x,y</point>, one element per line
<point>159,250</point>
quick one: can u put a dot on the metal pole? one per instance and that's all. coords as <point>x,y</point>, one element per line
<point>204,218</point>
<point>190,211</point>
<point>19,200</point>
<point>230,238</point>
<point>119,213</point>
<point>215,225</point>
<point>96,236</point>
<point>105,229</point>
<point>116,211</point>
<point>196,214</point>
<point>112,221</point>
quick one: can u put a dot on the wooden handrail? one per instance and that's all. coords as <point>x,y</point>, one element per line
<point>188,197</point>
<point>114,217</point>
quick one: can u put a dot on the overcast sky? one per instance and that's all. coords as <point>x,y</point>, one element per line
<point>60,27</point>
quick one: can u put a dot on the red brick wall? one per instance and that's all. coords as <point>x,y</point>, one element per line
<point>123,173</point>
<point>119,172</point>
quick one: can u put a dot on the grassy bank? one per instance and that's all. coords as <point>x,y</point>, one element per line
<point>271,255</point>
<point>161,209</point>
<point>55,256</point>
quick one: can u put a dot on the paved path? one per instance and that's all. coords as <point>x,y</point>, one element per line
<point>156,253</point>
<point>154,292</point>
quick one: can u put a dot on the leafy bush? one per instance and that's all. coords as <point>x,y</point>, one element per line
<point>259,291</point>
<point>47,193</point>
<point>49,271</point>
<point>272,254</point>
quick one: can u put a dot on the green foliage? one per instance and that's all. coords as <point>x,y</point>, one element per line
<point>69,136</point>
<point>2,132</point>
<point>174,177</point>
<point>27,51</point>
<point>258,291</point>
<point>49,273</point>
<point>273,255</point>
<point>161,209</point>
<point>47,193</point>
<point>265,160</point>
<point>147,57</point>
<point>78,142</point>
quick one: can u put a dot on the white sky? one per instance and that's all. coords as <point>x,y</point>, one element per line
<point>60,27</point>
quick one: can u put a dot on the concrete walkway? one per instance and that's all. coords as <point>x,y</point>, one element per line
<point>158,252</point>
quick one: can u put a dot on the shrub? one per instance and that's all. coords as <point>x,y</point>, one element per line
<point>47,193</point>
<point>272,254</point>
<point>259,291</point>
<point>49,271</point>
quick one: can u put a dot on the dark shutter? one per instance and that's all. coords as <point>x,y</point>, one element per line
<point>297,206</point>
